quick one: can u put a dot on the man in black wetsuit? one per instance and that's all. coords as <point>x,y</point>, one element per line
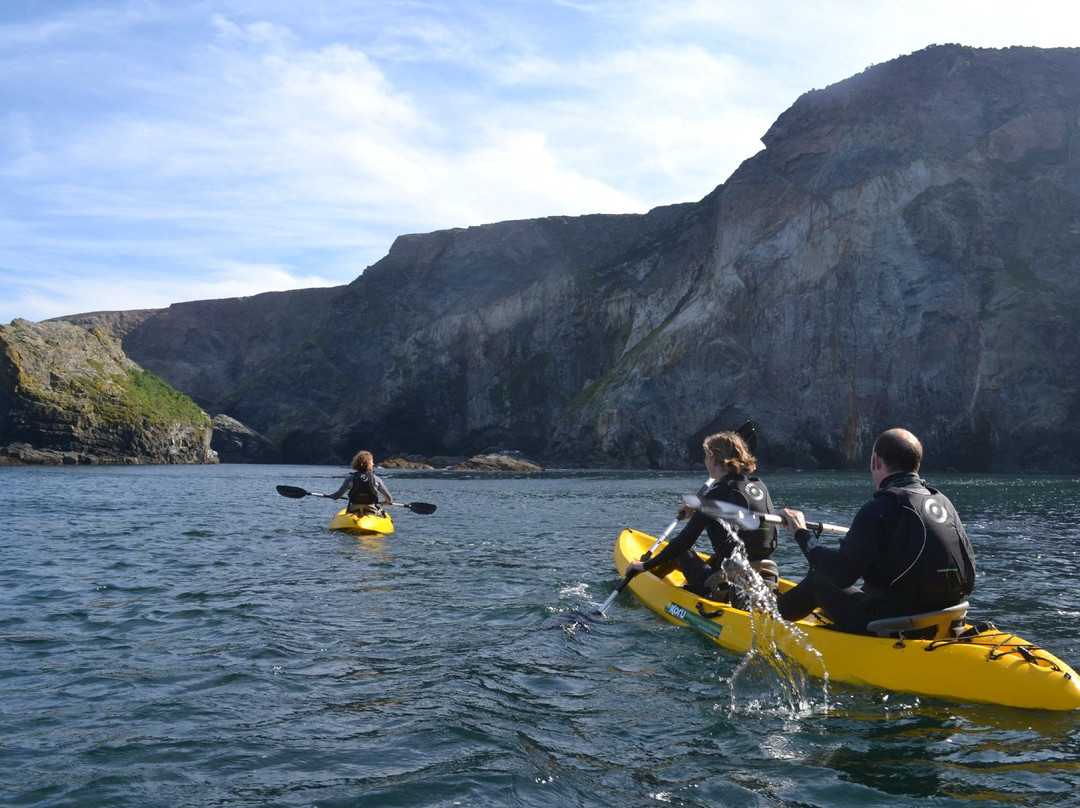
<point>730,465</point>
<point>907,544</point>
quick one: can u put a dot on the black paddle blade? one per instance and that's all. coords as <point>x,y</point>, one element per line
<point>292,492</point>
<point>421,507</point>
<point>748,432</point>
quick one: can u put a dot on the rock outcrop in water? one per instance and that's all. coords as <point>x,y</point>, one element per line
<point>904,252</point>
<point>497,462</point>
<point>236,443</point>
<point>69,395</point>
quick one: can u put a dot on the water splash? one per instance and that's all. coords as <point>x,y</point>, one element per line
<point>765,663</point>
<point>576,619</point>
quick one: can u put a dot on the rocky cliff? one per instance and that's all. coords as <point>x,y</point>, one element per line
<point>903,252</point>
<point>70,395</point>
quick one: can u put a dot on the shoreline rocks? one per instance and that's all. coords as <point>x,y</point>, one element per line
<point>512,461</point>
<point>497,462</point>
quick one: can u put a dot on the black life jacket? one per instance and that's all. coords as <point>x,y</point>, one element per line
<point>751,493</point>
<point>363,491</point>
<point>928,558</point>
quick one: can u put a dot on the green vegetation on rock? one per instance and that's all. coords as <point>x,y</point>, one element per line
<point>153,399</point>
<point>72,391</point>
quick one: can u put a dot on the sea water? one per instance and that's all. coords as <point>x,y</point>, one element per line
<point>183,636</point>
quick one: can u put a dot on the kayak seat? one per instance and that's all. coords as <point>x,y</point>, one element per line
<point>931,624</point>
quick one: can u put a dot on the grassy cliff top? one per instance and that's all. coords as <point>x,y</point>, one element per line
<point>84,372</point>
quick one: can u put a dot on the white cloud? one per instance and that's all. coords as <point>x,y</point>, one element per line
<point>52,295</point>
<point>149,151</point>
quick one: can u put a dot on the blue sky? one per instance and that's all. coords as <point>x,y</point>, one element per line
<point>156,151</point>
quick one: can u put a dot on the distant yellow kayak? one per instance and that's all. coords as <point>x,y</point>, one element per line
<point>362,524</point>
<point>973,664</point>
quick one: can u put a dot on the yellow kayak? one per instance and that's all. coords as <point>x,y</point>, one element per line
<point>973,664</point>
<point>367,524</point>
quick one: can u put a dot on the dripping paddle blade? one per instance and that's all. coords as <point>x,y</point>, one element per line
<point>724,511</point>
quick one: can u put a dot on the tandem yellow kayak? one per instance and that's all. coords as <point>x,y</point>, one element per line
<point>968,663</point>
<point>367,524</point>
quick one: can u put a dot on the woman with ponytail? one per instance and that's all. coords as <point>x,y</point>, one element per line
<point>731,466</point>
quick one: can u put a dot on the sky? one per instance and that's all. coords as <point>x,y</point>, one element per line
<point>159,151</point>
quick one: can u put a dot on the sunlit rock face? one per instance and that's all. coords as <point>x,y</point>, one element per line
<point>70,395</point>
<point>903,252</point>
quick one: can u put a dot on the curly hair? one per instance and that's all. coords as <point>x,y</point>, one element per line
<point>363,461</point>
<point>730,451</point>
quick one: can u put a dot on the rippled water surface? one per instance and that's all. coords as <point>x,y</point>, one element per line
<point>183,636</point>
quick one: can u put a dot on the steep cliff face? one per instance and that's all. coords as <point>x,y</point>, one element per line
<point>903,253</point>
<point>70,395</point>
<point>209,348</point>
<point>236,443</point>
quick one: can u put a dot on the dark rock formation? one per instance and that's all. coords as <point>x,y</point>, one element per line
<point>70,395</point>
<point>235,443</point>
<point>209,348</point>
<point>412,463</point>
<point>497,462</point>
<point>904,252</point>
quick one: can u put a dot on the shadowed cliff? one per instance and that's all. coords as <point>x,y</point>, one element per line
<point>902,253</point>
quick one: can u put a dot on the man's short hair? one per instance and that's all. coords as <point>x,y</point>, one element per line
<point>899,449</point>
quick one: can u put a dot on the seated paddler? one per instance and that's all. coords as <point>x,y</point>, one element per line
<point>907,545</point>
<point>731,467</point>
<point>367,493</point>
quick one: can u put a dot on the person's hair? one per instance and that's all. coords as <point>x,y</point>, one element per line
<point>899,449</point>
<point>730,451</point>
<point>363,461</point>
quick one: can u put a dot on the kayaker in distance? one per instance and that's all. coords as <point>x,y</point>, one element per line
<point>364,487</point>
<point>730,465</point>
<point>907,544</point>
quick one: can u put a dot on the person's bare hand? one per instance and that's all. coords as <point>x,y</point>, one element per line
<point>793,519</point>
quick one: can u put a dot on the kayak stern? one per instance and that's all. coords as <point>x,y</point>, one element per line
<point>367,524</point>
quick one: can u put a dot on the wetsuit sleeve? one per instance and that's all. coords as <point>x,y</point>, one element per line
<point>842,566</point>
<point>681,543</point>
<point>380,486</point>
<point>344,487</point>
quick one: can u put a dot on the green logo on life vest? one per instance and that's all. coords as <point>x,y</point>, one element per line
<point>695,621</point>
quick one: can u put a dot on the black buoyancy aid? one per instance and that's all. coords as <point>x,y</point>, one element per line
<point>929,556</point>
<point>750,492</point>
<point>363,491</point>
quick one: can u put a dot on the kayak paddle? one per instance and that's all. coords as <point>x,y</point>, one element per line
<point>292,492</point>
<point>416,507</point>
<point>749,520</point>
<point>748,432</point>
<point>626,578</point>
